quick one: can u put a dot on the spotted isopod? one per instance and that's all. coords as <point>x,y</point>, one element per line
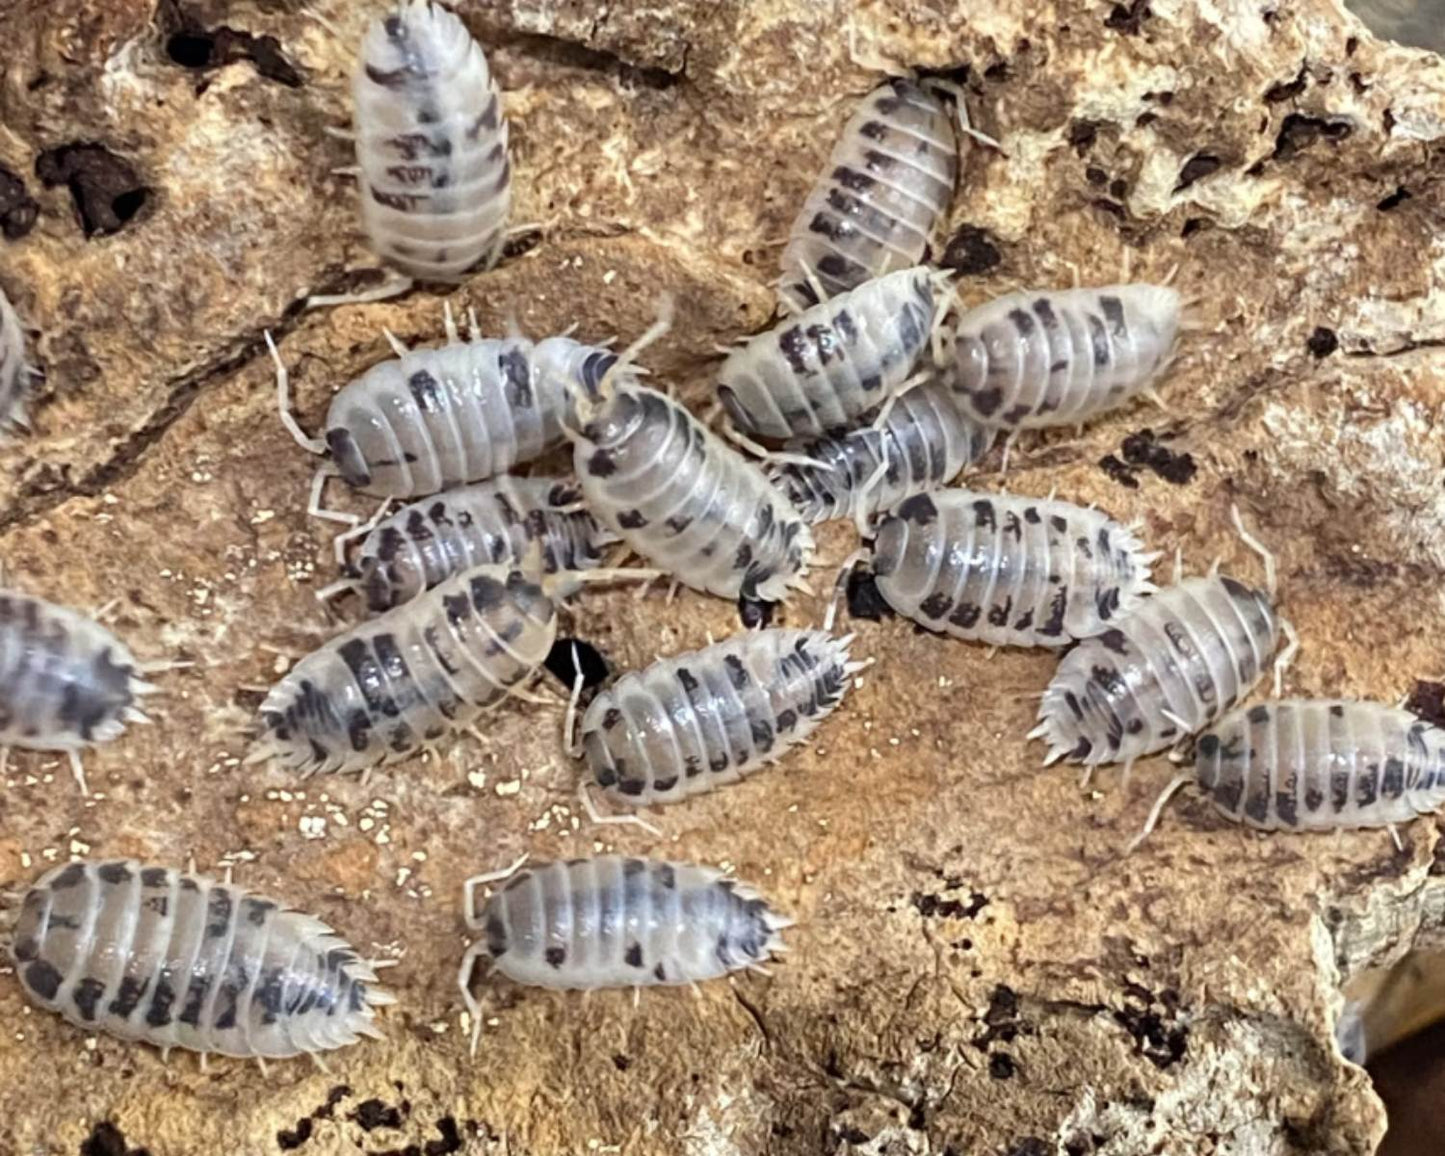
<point>1057,357</point>
<point>884,191</point>
<point>181,960</point>
<point>395,685</point>
<point>1007,569</point>
<point>427,542</point>
<point>922,443</point>
<point>1318,765</point>
<point>14,373</point>
<point>433,419</point>
<point>611,921</point>
<point>699,720</point>
<point>682,498</point>
<point>819,371</point>
<point>431,144</point>
<point>66,682</point>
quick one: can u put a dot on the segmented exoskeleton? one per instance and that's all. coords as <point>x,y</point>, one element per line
<point>879,201</point>
<point>431,144</point>
<point>1057,357</point>
<point>693,722</point>
<point>1007,569</point>
<point>818,372</point>
<point>181,960</point>
<point>922,443</point>
<point>427,542</point>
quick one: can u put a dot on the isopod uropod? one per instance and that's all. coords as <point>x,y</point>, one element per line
<point>1318,765</point>
<point>921,444</point>
<point>181,960</point>
<point>427,542</point>
<point>14,373</point>
<point>878,203</point>
<point>698,720</point>
<point>1007,569</point>
<point>611,921</point>
<point>819,371</point>
<point>431,144</point>
<point>66,682</point>
<point>1057,357</point>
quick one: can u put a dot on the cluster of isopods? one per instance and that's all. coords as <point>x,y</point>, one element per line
<point>870,396</point>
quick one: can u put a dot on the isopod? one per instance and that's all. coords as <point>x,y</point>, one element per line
<point>66,682</point>
<point>611,921</point>
<point>1318,765</point>
<point>921,444</point>
<point>1058,357</point>
<point>431,144</point>
<point>682,498</point>
<point>819,371</point>
<point>181,960</point>
<point>433,419</point>
<point>699,720</point>
<point>395,685</point>
<point>884,191</point>
<point>1007,569</point>
<point>14,373</point>
<point>427,542</point>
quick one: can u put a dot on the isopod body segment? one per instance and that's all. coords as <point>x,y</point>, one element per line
<point>922,443</point>
<point>1058,357</point>
<point>611,921</point>
<point>698,720</point>
<point>1181,659</point>
<point>431,144</point>
<point>1321,764</point>
<point>818,372</point>
<point>1007,569</point>
<point>181,960</point>
<point>426,542</point>
<point>683,499</point>
<point>14,373</point>
<point>879,201</point>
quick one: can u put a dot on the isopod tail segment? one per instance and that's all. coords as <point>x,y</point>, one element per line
<point>474,922</point>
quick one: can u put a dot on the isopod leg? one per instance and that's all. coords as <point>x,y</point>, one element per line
<point>1258,547</point>
<point>316,510</point>
<point>283,400</point>
<point>78,770</point>
<point>394,286</point>
<point>596,816</point>
<point>1287,656</point>
<point>1157,810</point>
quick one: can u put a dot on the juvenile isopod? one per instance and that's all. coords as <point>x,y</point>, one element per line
<point>427,542</point>
<point>182,960</point>
<point>432,419</point>
<point>431,145</point>
<point>397,684</point>
<point>922,443</point>
<point>693,722</point>
<point>683,499</point>
<point>818,372</point>
<point>1317,765</point>
<point>14,373</point>
<point>611,921</point>
<point>879,201</point>
<point>1058,357</point>
<point>66,682</point>
<point>1007,569</point>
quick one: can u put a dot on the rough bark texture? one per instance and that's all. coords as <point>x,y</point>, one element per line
<point>978,968</point>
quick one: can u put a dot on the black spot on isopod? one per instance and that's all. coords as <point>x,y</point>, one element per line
<point>987,401</point>
<point>601,464</point>
<point>633,956</point>
<point>632,519</point>
<point>43,979</point>
<point>660,973</point>
<point>105,188</point>
<point>69,877</point>
<point>113,873</point>
<point>666,876</point>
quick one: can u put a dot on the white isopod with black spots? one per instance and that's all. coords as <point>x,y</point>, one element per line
<point>818,372</point>
<point>611,921</point>
<point>683,499</point>
<point>66,682</point>
<point>14,373</point>
<point>427,542</point>
<point>1008,569</point>
<point>431,145</point>
<point>1058,357</point>
<point>1318,765</point>
<point>922,443</point>
<point>433,419</point>
<point>182,960</point>
<point>693,722</point>
<point>881,197</point>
